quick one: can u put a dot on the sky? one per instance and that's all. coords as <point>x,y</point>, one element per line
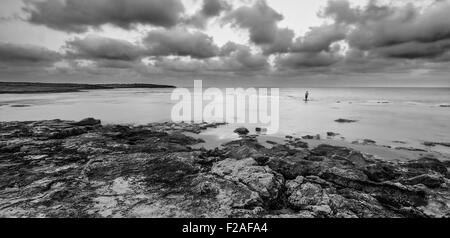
<point>284,43</point>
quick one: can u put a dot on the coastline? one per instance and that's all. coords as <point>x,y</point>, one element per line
<point>62,168</point>
<point>27,87</point>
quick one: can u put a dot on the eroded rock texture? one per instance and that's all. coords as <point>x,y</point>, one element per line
<point>83,169</point>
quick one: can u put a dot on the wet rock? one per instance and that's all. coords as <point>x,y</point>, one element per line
<point>364,142</point>
<point>88,122</point>
<point>20,105</point>
<point>260,130</point>
<point>425,166</point>
<point>310,137</point>
<point>432,144</point>
<point>271,142</point>
<point>299,144</point>
<point>341,153</point>
<point>341,120</point>
<point>332,134</point>
<point>429,180</point>
<point>381,172</point>
<point>410,149</point>
<point>242,131</point>
<point>179,138</point>
<point>242,149</point>
<point>369,142</point>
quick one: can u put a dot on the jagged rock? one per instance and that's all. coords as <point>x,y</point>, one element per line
<point>56,168</point>
<point>262,180</point>
<point>292,167</point>
<point>306,195</point>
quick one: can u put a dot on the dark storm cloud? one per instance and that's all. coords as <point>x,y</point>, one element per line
<point>281,43</point>
<point>306,60</point>
<point>78,16</point>
<point>260,19</point>
<point>180,42</point>
<point>213,8</point>
<point>235,59</point>
<point>319,38</point>
<point>240,57</point>
<point>96,47</point>
<point>244,59</point>
<point>26,55</point>
<point>404,31</point>
<point>414,49</point>
<point>210,9</point>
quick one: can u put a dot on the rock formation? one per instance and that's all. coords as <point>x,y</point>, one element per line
<point>83,169</point>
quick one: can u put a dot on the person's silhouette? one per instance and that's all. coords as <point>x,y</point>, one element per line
<point>306,96</point>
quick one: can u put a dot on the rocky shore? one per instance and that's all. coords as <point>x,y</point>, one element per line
<point>85,169</point>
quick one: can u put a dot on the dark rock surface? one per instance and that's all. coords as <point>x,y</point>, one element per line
<point>332,134</point>
<point>242,131</point>
<point>83,169</point>
<point>341,120</point>
<point>431,144</point>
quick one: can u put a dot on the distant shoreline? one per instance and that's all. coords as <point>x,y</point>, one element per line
<point>27,87</point>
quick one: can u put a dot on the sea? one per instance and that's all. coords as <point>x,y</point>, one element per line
<point>389,116</point>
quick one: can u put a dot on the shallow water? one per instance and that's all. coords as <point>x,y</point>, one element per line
<point>412,115</point>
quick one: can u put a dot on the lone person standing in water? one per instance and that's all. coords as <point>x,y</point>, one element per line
<point>306,96</point>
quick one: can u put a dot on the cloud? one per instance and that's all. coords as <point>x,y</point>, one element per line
<point>260,19</point>
<point>212,8</point>
<point>405,31</point>
<point>235,59</point>
<point>103,48</point>
<point>26,55</point>
<point>180,42</point>
<point>282,42</point>
<point>209,9</point>
<point>306,60</point>
<point>319,38</point>
<point>77,16</point>
<point>414,49</point>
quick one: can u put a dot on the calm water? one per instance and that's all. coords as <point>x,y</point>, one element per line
<point>412,115</point>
